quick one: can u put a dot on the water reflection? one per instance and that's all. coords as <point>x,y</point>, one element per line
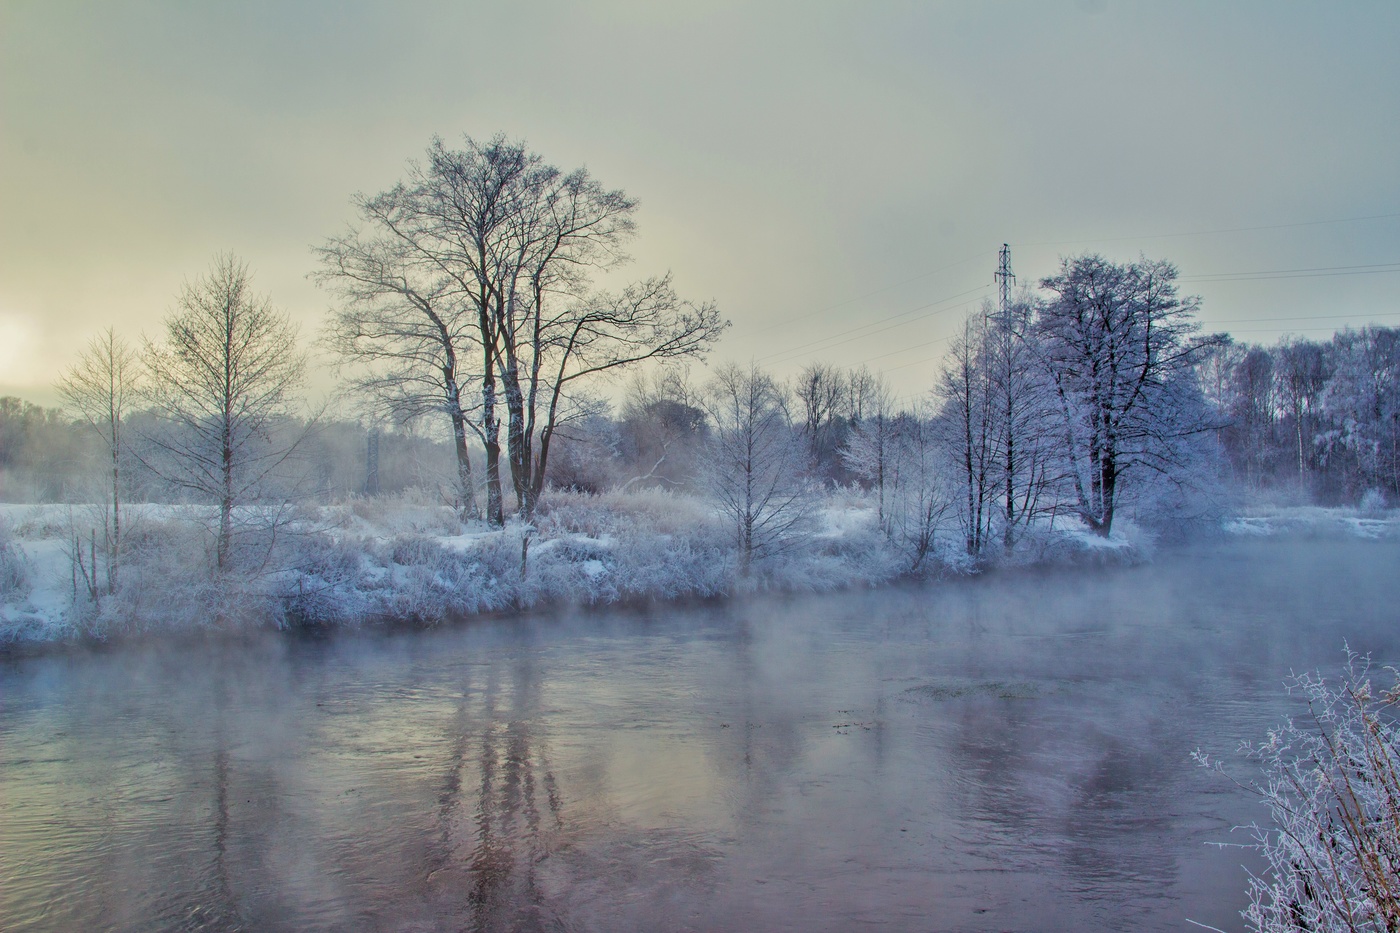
<point>995,755</point>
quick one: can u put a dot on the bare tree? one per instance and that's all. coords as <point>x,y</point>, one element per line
<point>1021,412</point>
<point>403,327</point>
<point>100,389</point>
<point>822,393</point>
<point>508,245</point>
<point>1301,374</point>
<point>600,334</point>
<point>870,451</point>
<point>756,463</point>
<point>1118,344</point>
<point>1251,414</point>
<point>967,413</point>
<point>663,427</point>
<point>920,495</point>
<point>225,378</point>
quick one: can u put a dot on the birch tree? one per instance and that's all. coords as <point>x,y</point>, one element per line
<point>1021,412</point>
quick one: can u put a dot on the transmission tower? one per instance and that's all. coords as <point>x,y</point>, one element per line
<point>1007,377</point>
<point>1005,279</point>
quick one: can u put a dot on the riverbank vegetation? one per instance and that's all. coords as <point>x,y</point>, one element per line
<point>511,434</point>
<point>1331,783</point>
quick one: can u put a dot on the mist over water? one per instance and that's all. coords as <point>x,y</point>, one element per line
<point>1009,753</point>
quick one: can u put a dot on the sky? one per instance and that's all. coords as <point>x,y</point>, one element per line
<point>836,176</point>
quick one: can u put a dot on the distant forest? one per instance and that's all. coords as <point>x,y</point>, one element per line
<point>1300,420</point>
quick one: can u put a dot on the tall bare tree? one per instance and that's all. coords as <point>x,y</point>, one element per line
<point>404,331</point>
<point>100,389</point>
<point>1021,411</point>
<point>225,378</point>
<point>515,242</point>
<point>967,417</point>
<point>1301,374</point>
<point>1119,345</point>
<point>823,394</point>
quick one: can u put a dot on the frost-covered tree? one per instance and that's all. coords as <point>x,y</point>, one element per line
<point>512,243</point>
<point>1022,412</point>
<point>1119,346</point>
<point>1362,400</point>
<point>1300,375</point>
<point>967,415</point>
<point>225,377</point>
<point>823,394</point>
<point>756,465</point>
<point>871,450</point>
<point>920,494</point>
<point>100,389</point>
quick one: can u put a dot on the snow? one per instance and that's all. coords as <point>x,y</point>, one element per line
<point>367,561</point>
<point>1315,522</point>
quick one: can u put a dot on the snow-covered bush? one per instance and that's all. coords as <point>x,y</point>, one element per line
<point>166,584</point>
<point>413,511</point>
<point>1372,504</point>
<point>1332,786</point>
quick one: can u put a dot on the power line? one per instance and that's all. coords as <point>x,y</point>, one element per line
<point>1315,272</point>
<point>1318,272</point>
<point>1309,317</point>
<point>917,346</point>
<point>841,304</point>
<point>1165,236</point>
<point>870,333</point>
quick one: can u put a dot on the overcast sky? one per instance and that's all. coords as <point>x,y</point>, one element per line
<point>837,176</point>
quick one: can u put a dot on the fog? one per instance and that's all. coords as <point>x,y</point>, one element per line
<point>1007,752</point>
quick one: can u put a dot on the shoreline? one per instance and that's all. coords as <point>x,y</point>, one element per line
<point>354,577</point>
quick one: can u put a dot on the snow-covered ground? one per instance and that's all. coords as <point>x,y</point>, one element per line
<point>1315,522</point>
<point>407,559</point>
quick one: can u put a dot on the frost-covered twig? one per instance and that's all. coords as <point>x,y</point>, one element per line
<point>1332,786</point>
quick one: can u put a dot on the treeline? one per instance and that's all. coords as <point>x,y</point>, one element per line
<point>473,343</point>
<point>1318,421</point>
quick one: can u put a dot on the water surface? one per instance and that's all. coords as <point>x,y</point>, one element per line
<point>999,754</point>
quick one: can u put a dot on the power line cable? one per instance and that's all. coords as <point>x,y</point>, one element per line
<point>870,333</point>
<point>807,315</point>
<point>1321,272</point>
<point>1165,236</point>
<point>1310,317</point>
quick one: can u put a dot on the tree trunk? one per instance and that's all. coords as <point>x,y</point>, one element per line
<point>491,438</point>
<point>465,488</point>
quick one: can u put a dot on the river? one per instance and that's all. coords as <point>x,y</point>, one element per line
<point>1006,753</point>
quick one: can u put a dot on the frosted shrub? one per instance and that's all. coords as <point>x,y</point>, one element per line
<point>326,583</point>
<point>1332,786</point>
<point>1372,503</point>
<point>413,511</point>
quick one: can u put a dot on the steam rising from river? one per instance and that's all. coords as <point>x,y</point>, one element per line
<point>1001,753</point>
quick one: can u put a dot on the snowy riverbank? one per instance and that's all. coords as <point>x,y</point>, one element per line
<point>411,560</point>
